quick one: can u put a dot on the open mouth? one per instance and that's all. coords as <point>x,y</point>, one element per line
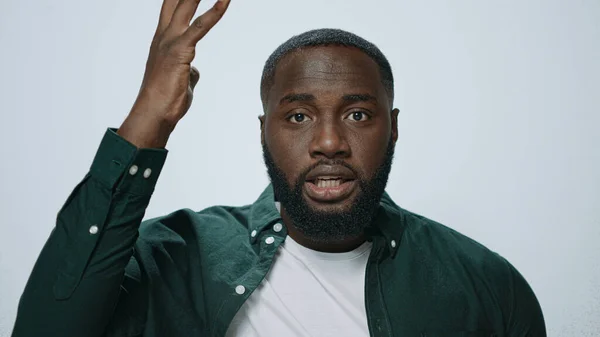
<point>329,189</point>
<point>326,182</point>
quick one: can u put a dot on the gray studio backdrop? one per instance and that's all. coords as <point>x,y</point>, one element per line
<point>499,123</point>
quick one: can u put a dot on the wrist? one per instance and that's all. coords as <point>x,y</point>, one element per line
<point>146,131</point>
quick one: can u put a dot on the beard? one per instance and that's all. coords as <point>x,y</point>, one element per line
<point>335,225</point>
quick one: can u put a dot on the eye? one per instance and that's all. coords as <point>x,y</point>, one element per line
<point>298,118</point>
<point>358,116</point>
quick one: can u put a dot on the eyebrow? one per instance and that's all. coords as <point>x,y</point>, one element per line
<point>353,98</point>
<point>303,97</point>
<point>297,98</point>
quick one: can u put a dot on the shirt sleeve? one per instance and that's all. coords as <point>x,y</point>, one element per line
<point>525,317</point>
<point>76,282</point>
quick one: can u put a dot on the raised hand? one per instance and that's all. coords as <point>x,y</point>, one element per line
<point>166,92</point>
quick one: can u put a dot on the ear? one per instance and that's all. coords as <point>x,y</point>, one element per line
<point>394,115</point>
<point>261,118</point>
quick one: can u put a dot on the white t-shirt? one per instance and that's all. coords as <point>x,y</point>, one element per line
<point>307,293</point>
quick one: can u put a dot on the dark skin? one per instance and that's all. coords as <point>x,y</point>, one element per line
<point>327,102</point>
<point>330,85</point>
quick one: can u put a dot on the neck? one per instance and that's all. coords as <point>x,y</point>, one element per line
<point>341,246</point>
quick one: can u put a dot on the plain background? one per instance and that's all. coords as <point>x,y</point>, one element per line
<point>499,123</point>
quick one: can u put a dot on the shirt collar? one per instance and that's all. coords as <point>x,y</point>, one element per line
<point>263,212</point>
<point>390,223</point>
<point>389,219</point>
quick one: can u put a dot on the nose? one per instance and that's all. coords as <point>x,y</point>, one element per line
<point>329,141</point>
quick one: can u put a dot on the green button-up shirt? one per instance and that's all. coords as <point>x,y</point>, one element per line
<point>101,273</point>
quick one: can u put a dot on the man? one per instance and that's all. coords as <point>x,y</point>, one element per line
<point>322,252</point>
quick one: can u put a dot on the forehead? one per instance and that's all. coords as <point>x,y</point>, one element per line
<point>327,71</point>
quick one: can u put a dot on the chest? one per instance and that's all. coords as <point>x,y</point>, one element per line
<point>311,294</point>
<point>250,290</point>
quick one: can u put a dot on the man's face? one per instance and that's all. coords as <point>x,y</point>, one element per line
<point>328,138</point>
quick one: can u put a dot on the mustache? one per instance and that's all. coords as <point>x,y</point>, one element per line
<point>330,162</point>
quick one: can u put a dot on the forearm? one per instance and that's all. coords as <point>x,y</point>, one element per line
<point>146,128</point>
<point>74,286</point>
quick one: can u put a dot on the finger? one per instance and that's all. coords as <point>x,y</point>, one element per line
<point>183,14</point>
<point>166,13</point>
<point>204,23</point>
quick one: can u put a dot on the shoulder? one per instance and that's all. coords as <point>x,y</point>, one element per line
<point>443,258</point>
<point>486,270</point>
<point>443,240</point>
<point>439,246</point>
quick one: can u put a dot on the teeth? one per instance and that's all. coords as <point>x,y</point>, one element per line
<point>321,183</point>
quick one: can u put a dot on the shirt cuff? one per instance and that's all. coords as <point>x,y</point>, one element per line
<point>120,165</point>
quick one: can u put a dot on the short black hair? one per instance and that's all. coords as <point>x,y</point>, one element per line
<point>326,37</point>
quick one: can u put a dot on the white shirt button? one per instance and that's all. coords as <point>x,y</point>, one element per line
<point>393,243</point>
<point>269,240</point>
<point>133,170</point>
<point>277,227</point>
<point>147,173</point>
<point>253,234</point>
<point>93,229</point>
<point>240,290</point>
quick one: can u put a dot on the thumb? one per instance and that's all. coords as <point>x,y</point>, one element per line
<point>194,77</point>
